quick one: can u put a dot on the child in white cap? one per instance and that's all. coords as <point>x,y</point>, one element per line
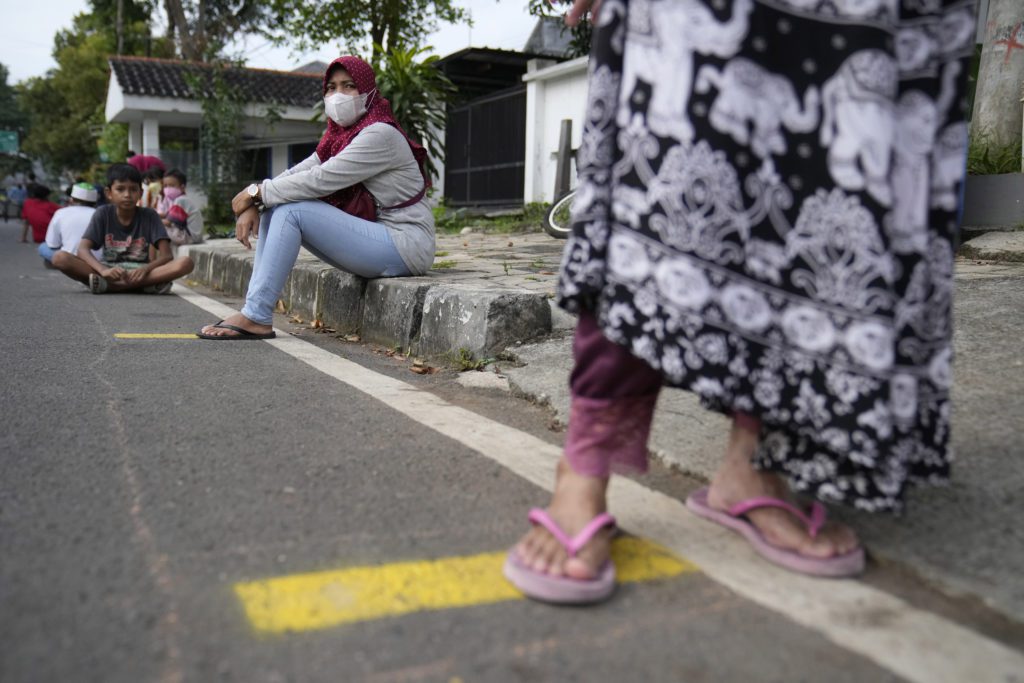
<point>68,224</point>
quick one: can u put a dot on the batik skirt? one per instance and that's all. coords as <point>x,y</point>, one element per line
<point>767,214</point>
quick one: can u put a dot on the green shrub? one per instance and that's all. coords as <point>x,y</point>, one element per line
<point>985,157</point>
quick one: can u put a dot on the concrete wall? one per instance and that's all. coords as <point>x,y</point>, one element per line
<point>553,92</point>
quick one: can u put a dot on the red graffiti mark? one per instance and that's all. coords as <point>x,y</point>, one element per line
<point>1011,43</point>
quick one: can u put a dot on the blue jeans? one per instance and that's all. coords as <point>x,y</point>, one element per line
<point>46,252</point>
<point>346,242</point>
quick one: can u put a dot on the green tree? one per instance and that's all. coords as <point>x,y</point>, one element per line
<point>65,107</point>
<point>378,25</point>
<point>11,118</point>
<point>203,28</point>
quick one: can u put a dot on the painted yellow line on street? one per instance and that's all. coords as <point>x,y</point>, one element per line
<point>135,335</point>
<point>306,602</point>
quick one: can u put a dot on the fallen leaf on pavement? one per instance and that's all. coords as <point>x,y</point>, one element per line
<point>510,244</point>
<point>296,320</point>
<point>279,308</point>
<point>352,338</point>
<point>317,324</point>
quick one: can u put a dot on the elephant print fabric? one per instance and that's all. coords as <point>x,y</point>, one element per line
<point>766,214</point>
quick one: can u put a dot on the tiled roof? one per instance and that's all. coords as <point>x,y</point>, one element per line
<point>147,77</point>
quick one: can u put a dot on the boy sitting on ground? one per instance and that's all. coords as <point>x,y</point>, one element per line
<point>136,248</point>
<point>69,224</point>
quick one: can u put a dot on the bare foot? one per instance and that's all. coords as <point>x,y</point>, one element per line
<point>737,480</point>
<point>577,500</point>
<point>238,320</point>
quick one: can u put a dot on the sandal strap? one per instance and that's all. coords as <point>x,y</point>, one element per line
<point>575,543</point>
<point>813,521</point>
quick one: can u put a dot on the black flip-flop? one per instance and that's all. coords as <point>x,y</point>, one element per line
<point>243,335</point>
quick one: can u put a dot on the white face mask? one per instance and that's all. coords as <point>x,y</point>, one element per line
<point>343,109</point>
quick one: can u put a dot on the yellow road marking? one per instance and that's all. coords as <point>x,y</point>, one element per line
<point>134,335</point>
<point>305,602</point>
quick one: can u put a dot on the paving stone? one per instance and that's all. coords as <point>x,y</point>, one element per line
<point>393,310</point>
<point>482,321</point>
<point>341,300</point>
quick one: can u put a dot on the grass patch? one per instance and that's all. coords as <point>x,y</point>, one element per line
<point>220,230</point>
<point>464,361</point>
<point>987,158</point>
<point>439,254</point>
<point>528,219</point>
<point>443,265</point>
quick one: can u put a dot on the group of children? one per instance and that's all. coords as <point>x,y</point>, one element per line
<point>123,245</point>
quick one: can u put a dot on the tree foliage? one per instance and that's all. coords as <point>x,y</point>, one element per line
<point>419,94</point>
<point>203,28</point>
<point>579,45</point>
<point>65,107</point>
<point>11,118</point>
<point>378,26</point>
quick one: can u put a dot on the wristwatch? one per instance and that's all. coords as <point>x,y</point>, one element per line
<point>254,193</point>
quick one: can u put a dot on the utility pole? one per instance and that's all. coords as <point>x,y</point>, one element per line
<point>997,102</point>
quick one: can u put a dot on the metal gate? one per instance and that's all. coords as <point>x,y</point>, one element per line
<point>485,150</point>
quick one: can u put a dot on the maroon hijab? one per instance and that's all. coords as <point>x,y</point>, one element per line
<point>378,110</point>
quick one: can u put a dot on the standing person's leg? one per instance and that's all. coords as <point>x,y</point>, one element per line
<point>613,398</point>
<point>737,481</point>
<point>349,243</point>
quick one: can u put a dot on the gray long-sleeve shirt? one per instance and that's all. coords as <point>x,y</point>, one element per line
<point>380,158</point>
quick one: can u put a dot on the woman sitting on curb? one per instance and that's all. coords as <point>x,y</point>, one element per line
<point>357,203</point>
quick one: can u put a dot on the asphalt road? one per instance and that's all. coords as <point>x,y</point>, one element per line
<point>142,480</point>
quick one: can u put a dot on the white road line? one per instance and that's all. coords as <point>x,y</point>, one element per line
<point>913,643</point>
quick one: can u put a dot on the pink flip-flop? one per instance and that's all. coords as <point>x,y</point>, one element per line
<point>848,564</point>
<point>562,589</point>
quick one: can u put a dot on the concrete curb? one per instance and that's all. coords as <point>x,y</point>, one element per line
<point>425,315</point>
<point>995,246</point>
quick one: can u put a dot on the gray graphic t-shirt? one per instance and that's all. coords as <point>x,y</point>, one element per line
<point>125,244</point>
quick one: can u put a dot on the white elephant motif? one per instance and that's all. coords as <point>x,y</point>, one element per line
<point>669,32</point>
<point>920,119</point>
<point>949,165</point>
<point>748,94</point>
<point>915,48</point>
<point>857,123</point>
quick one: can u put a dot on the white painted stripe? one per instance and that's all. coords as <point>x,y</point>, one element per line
<point>913,643</point>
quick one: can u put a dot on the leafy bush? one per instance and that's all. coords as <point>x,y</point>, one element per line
<point>985,157</point>
<point>419,94</point>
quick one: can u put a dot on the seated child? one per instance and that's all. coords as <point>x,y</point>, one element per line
<point>69,224</point>
<point>176,223</point>
<point>152,186</point>
<point>175,195</point>
<point>38,211</point>
<point>136,248</point>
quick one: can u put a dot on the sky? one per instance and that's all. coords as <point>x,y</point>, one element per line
<point>26,35</point>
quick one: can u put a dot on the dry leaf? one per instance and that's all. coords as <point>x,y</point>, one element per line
<point>279,308</point>
<point>418,362</point>
<point>420,370</point>
<point>465,244</point>
<point>510,244</point>
<point>296,320</point>
<point>546,272</point>
<point>316,324</point>
<point>352,338</point>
